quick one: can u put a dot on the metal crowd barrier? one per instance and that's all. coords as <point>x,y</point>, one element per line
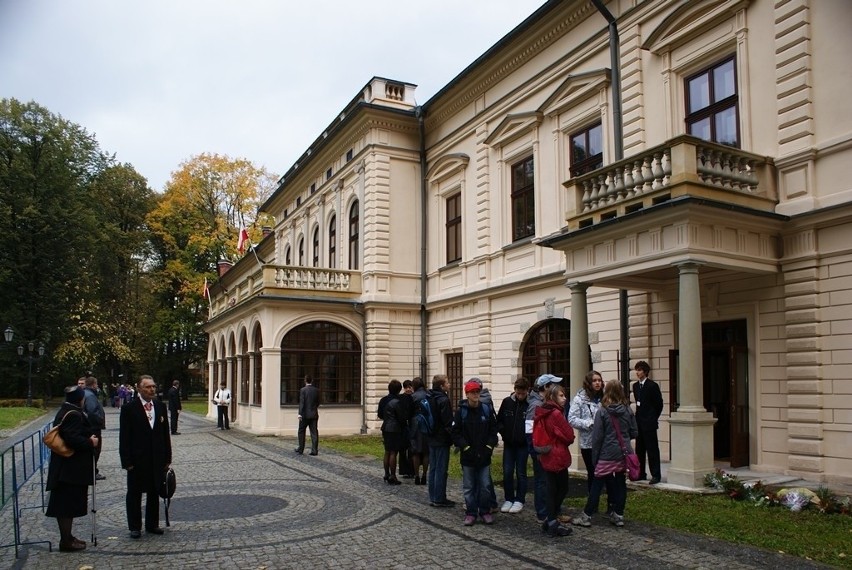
<point>18,464</point>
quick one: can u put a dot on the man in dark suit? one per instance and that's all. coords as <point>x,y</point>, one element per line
<point>174,406</point>
<point>649,406</point>
<point>308,415</point>
<point>145,448</point>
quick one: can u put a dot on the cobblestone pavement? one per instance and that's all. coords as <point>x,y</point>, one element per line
<point>249,502</point>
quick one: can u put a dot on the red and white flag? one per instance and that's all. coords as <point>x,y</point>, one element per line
<point>243,238</point>
<point>206,291</point>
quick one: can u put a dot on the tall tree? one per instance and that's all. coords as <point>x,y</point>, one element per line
<point>194,225</point>
<point>47,165</point>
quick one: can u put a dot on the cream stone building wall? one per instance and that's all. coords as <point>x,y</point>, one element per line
<point>737,260</point>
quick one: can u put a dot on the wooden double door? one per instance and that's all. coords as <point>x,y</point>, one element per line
<point>726,388</point>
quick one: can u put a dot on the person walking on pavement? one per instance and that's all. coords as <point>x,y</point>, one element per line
<point>649,406</point>
<point>68,478</point>
<point>222,399</point>
<point>174,406</point>
<point>145,448</point>
<point>308,415</point>
<point>97,417</point>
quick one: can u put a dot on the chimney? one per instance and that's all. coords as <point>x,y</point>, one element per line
<point>223,265</point>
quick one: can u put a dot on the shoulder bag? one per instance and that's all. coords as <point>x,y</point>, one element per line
<point>53,440</point>
<point>630,459</point>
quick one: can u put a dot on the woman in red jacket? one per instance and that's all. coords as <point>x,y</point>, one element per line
<point>555,462</point>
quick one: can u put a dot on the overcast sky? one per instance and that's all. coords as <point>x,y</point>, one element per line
<point>160,81</point>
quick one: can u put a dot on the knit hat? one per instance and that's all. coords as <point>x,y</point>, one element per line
<point>74,395</point>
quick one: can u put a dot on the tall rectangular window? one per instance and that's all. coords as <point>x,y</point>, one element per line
<point>332,242</point>
<point>454,226</point>
<point>712,104</point>
<point>316,248</point>
<point>455,376</point>
<point>353,235</point>
<point>523,199</point>
<point>586,150</point>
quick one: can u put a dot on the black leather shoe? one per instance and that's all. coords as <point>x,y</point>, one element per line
<point>313,453</point>
<point>71,546</point>
<point>654,481</point>
<point>100,477</point>
<point>175,433</point>
<point>157,530</point>
<point>299,451</point>
<point>135,534</point>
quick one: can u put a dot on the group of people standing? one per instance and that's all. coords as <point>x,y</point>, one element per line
<point>144,448</point>
<point>600,414</point>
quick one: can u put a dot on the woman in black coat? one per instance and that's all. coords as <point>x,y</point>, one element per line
<point>68,478</point>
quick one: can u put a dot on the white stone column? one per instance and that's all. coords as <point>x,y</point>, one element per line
<point>579,336</point>
<point>691,425</point>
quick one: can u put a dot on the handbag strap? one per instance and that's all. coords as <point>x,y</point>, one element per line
<point>618,434</point>
<point>65,416</point>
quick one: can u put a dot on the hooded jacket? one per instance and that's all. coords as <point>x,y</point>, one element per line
<point>442,413</point>
<point>581,416</point>
<point>511,421</point>
<point>561,434</point>
<point>474,432</point>
<point>604,439</point>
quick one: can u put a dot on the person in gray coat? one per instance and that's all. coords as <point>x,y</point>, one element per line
<point>309,402</point>
<point>608,456</point>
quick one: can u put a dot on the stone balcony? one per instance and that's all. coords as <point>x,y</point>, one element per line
<point>683,166</point>
<point>286,281</point>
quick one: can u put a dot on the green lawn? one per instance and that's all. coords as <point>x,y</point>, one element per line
<point>196,404</point>
<point>808,534</point>
<point>14,417</point>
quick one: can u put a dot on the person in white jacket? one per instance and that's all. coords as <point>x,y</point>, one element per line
<point>222,399</point>
<point>581,416</point>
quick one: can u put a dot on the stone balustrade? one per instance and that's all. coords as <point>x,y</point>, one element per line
<point>683,166</point>
<point>290,281</point>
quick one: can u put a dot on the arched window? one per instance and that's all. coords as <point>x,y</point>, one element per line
<point>257,386</point>
<point>547,349</point>
<point>353,235</point>
<point>327,352</point>
<point>301,252</point>
<point>332,242</point>
<point>316,247</point>
<point>287,258</point>
<point>245,370</point>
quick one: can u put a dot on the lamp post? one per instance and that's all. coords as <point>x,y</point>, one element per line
<point>30,358</point>
<point>33,355</point>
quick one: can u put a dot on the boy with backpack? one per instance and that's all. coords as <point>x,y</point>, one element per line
<point>474,433</point>
<point>511,423</point>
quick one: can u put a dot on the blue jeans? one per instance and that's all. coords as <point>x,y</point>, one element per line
<point>540,487</point>
<point>477,496</point>
<point>436,478</point>
<point>616,490</point>
<point>515,467</point>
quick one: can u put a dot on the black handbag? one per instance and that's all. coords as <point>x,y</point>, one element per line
<point>167,490</point>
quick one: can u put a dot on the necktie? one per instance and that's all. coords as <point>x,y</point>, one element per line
<point>148,406</point>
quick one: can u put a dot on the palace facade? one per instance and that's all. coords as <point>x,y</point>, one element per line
<point>655,180</point>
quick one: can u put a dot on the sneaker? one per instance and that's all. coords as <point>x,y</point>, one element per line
<point>516,507</point>
<point>506,506</point>
<point>616,519</point>
<point>582,520</point>
<point>469,520</point>
<point>488,518</point>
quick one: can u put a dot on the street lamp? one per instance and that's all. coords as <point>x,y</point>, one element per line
<point>31,356</point>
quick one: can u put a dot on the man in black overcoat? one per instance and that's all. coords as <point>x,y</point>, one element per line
<point>145,447</point>
<point>649,406</point>
<point>174,406</point>
<point>309,402</point>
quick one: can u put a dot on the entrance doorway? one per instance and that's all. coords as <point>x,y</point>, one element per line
<point>726,388</point>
